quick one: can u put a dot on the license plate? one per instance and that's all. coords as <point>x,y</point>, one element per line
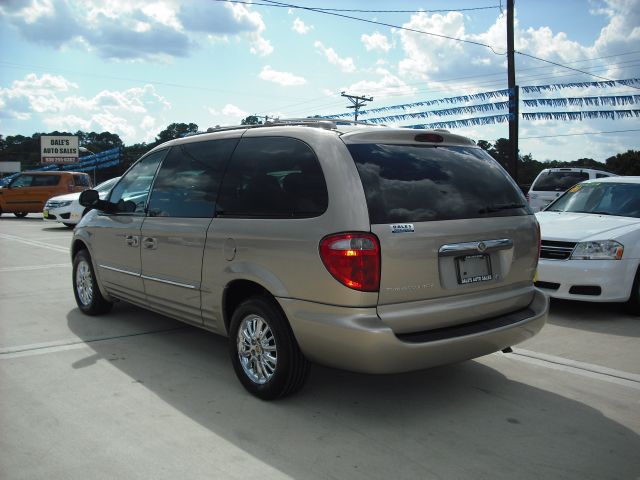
<point>45,213</point>
<point>473,269</point>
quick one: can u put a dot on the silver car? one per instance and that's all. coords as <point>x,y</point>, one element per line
<point>370,249</point>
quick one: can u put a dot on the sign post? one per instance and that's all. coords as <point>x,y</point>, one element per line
<point>59,149</point>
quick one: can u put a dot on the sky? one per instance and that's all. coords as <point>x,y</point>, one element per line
<point>133,67</point>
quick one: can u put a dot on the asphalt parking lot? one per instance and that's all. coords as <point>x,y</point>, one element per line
<point>136,395</point>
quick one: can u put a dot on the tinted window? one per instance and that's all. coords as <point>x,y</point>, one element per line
<point>81,180</point>
<point>22,181</point>
<point>408,183</point>
<point>45,180</point>
<point>601,175</point>
<point>622,199</point>
<point>273,177</point>
<point>133,189</point>
<point>558,181</point>
<point>188,181</point>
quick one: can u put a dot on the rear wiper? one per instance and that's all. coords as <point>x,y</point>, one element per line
<point>497,208</point>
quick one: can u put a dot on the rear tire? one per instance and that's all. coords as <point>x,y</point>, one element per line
<point>633,305</point>
<point>69,225</point>
<point>264,353</point>
<point>20,214</point>
<point>85,287</point>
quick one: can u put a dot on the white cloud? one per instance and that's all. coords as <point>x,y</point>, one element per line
<point>300,27</point>
<point>233,111</point>
<point>345,64</point>
<point>135,30</point>
<point>282,78</point>
<point>50,99</point>
<point>388,85</point>
<point>375,41</point>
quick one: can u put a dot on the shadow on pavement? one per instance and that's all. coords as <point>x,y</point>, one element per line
<point>609,318</point>
<point>460,421</point>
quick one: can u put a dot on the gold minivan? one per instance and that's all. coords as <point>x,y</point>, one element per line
<point>371,249</point>
<point>29,191</point>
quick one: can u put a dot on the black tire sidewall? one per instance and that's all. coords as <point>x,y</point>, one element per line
<point>278,385</point>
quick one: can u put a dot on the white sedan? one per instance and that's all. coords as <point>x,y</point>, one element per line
<point>67,209</point>
<point>591,243</point>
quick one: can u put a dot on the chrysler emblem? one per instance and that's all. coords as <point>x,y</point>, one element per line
<point>481,247</point>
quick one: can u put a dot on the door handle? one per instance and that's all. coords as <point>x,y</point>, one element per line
<point>131,240</point>
<point>149,243</point>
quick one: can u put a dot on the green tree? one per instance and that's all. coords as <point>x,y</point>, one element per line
<point>251,120</point>
<point>176,130</point>
<point>627,163</point>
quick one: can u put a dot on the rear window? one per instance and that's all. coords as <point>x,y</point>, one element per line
<point>81,181</point>
<point>416,183</point>
<point>558,181</point>
<point>45,180</point>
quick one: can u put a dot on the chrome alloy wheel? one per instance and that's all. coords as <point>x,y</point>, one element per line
<point>257,349</point>
<point>84,283</point>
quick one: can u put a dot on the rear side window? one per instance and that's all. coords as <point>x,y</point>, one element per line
<point>410,183</point>
<point>45,180</point>
<point>558,181</point>
<point>273,177</point>
<point>188,181</point>
<point>81,181</point>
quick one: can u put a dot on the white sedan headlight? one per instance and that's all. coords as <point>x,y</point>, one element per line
<point>601,250</point>
<point>66,203</point>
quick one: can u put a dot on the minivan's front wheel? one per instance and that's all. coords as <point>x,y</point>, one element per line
<point>264,352</point>
<point>20,214</point>
<point>85,288</point>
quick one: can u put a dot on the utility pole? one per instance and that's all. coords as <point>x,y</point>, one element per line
<point>514,96</point>
<point>357,102</point>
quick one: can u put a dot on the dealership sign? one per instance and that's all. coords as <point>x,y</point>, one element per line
<point>59,149</point>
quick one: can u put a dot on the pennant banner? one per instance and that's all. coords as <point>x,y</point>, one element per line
<point>485,107</point>
<point>610,114</point>
<point>465,122</point>
<point>583,101</point>
<point>426,103</point>
<point>631,82</point>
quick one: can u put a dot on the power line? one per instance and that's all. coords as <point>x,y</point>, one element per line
<point>577,134</point>
<point>568,68</point>
<point>366,11</point>
<point>398,27</point>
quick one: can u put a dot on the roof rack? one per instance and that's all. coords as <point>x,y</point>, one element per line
<point>317,122</point>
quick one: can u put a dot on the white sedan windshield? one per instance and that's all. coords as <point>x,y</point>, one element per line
<point>620,199</point>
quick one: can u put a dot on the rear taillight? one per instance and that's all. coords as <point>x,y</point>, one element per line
<point>353,259</point>
<point>70,187</point>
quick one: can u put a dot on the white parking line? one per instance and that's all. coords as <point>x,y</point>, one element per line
<point>584,369</point>
<point>34,243</point>
<point>18,351</point>
<point>34,267</point>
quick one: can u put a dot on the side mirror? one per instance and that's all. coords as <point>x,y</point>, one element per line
<point>89,198</point>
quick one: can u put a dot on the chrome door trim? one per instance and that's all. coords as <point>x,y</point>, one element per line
<point>119,270</point>
<point>169,282</point>
<point>471,248</point>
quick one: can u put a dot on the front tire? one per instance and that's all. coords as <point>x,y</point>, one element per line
<point>85,287</point>
<point>633,305</point>
<point>20,214</point>
<point>69,225</point>
<point>264,353</point>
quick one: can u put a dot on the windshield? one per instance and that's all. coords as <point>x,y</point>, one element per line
<point>107,185</point>
<point>620,199</point>
<point>557,181</point>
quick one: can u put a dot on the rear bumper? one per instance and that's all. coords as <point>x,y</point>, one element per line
<point>356,339</point>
